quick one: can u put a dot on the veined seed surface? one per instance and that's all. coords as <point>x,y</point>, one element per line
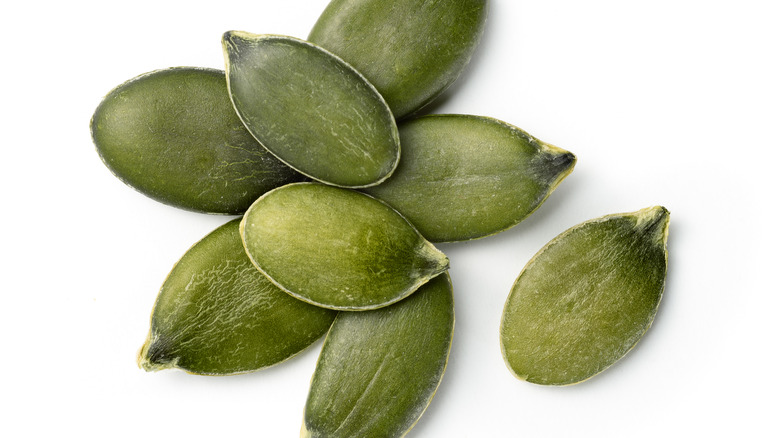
<point>311,109</point>
<point>464,177</point>
<point>586,298</point>
<point>411,50</point>
<point>337,248</point>
<point>216,314</point>
<point>379,370</point>
<point>174,136</point>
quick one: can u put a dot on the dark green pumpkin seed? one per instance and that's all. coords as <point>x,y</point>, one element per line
<point>174,136</point>
<point>337,248</point>
<point>586,298</point>
<point>379,370</point>
<point>465,177</point>
<point>411,50</point>
<point>216,314</point>
<point>311,109</point>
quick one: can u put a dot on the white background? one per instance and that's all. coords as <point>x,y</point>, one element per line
<point>674,103</point>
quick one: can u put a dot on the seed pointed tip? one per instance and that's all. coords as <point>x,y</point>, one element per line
<point>440,261</point>
<point>148,365</point>
<point>234,40</point>
<point>653,214</point>
<point>556,163</point>
<point>563,162</point>
<point>431,262</point>
<point>230,41</point>
<point>143,360</point>
<point>150,358</point>
<point>654,220</point>
<point>233,35</point>
<point>553,150</point>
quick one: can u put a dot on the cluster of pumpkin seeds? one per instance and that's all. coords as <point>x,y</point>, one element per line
<point>342,191</point>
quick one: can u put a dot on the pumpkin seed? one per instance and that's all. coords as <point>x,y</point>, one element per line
<point>465,177</point>
<point>379,370</point>
<point>216,314</point>
<point>586,298</point>
<point>173,135</point>
<point>410,50</point>
<point>337,248</point>
<point>311,109</point>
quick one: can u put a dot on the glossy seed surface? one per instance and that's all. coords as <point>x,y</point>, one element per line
<point>463,177</point>
<point>311,109</point>
<point>216,314</point>
<point>337,248</point>
<point>379,369</point>
<point>174,136</point>
<point>411,50</point>
<point>586,298</point>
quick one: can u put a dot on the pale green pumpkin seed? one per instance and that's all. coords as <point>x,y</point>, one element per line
<point>174,136</point>
<point>216,314</point>
<point>586,298</point>
<point>411,50</point>
<point>337,248</point>
<point>379,370</point>
<point>464,177</point>
<point>311,109</point>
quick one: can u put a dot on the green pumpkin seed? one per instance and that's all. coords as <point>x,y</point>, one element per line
<point>379,370</point>
<point>465,177</point>
<point>411,50</point>
<point>586,298</point>
<point>311,109</point>
<point>216,314</point>
<point>337,248</point>
<point>173,135</point>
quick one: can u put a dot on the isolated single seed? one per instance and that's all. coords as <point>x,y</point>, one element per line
<point>311,109</point>
<point>586,298</point>
<point>379,370</point>
<point>410,50</point>
<point>464,177</point>
<point>174,136</point>
<point>216,314</point>
<point>337,248</point>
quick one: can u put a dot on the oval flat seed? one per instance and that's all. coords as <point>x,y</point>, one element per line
<point>216,314</point>
<point>337,248</point>
<point>311,109</point>
<point>465,177</point>
<point>586,298</point>
<point>410,50</point>
<point>379,370</point>
<point>174,136</point>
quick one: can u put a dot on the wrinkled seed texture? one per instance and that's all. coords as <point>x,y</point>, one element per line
<point>586,298</point>
<point>411,50</point>
<point>379,369</point>
<point>463,177</point>
<point>311,110</point>
<point>216,314</point>
<point>337,248</point>
<point>174,136</point>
